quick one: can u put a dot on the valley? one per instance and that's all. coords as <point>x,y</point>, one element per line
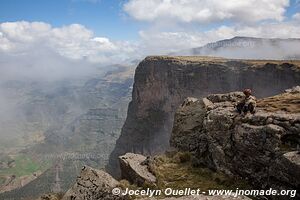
<point>72,123</point>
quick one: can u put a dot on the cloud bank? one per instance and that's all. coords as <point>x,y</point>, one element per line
<point>170,26</point>
<point>174,25</point>
<point>206,11</point>
<point>73,41</point>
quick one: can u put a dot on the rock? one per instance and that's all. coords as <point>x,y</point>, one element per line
<point>293,157</point>
<point>189,101</point>
<point>49,197</point>
<point>12,182</point>
<point>162,83</point>
<point>261,147</point>
<point>93,184</point>
<point>294,90</point>
<point>231,97</point>
<point>135,169</point>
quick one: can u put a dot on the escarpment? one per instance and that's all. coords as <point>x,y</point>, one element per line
<point>162,83</point>
<point>262,148</point>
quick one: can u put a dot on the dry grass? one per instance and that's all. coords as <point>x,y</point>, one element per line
<point>286,102</point>
<point>221,60</point>
<point>175,173</point>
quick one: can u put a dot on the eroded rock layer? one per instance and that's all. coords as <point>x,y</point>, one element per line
<point>262,148</point>
<point>162,83</point>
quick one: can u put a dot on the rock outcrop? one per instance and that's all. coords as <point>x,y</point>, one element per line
<point>136,170</point>
<point>162,83</point>
<point>93,184</point>
<point>49,197</point>
<point>262,148</point>
<point>12,182</point>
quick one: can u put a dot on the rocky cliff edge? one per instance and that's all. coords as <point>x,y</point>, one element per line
<point>161,84</point>
<point>262,148</point>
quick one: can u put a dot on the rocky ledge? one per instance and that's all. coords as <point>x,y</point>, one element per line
<point>261,148</point>
<point>93,184</point>
<point>135,168</point>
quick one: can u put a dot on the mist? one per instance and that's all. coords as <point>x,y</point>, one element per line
<point>250,48</point>
<point>31,83</point>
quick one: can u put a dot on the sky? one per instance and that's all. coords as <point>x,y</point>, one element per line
<point>102,17</point>
<point>116,31</point>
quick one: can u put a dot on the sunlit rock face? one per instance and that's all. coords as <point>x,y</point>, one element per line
<point>162,83</point>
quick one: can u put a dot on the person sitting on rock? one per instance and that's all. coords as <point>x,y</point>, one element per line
<point>248,104</point>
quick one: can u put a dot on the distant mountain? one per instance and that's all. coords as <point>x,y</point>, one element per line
<point>249,48</point>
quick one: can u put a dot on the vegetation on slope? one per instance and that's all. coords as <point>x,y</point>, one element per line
<point>287,102</point>
<point>177,170</point>
<point>24,165</point>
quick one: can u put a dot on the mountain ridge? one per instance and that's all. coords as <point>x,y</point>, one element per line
<point>249,48</point>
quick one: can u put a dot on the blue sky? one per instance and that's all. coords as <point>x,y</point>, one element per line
<point>104,17</point>
<point>293,8</point>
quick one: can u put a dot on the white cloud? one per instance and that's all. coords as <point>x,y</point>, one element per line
<point>23,31</point>
<point>73,42</point>
<point>296,17</point>
<point>166,42</point>
<point>267,30</point>
<point>38,40</point>
<point>205,11</point>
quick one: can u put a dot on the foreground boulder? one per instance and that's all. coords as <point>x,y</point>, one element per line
<point>135,168</point>
<point>49,197</point>
<point>261,147</point>
<point>93,184</point>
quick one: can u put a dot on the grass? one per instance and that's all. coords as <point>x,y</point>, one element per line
<point>176,171</point>
<point>222,60</point>
<point>286,102</point>
<point>24,165</point>
<point>2,180</point>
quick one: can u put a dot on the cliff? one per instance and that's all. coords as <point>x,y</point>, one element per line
<point>217,148</point>
<point>261,148</point>
<point>162,83</point>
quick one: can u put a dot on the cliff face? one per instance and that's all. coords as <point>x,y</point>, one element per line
<point>162,83</point>
<point>261,148</point>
